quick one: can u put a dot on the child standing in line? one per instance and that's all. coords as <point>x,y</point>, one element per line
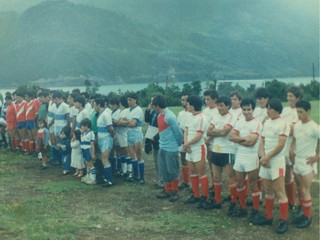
<point>64,149</point>
<point>43,142</point>
<point>77,161</point>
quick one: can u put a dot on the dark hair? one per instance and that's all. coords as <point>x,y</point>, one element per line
<point>132,95</point>
<point>8,97</point>
<point>159,101</point>
<point>296,91</point>
<point>8,94</point>
<point>100,102</point>
<point>247,102</point>
<point>114,100</point>
<point>66,131</point>
<point>237,94</point>
<point>262,93</point>
<point>43,121</point>
<point>76,91</point>
<point>303,104</point>
<point>57,94</point>
<point>212,93</point>
<point>74,95</point>
<point>86,123</point>
<point>30,94</point>
<point>80,100</point>
<point>275,104</point>
<point>77,133</point>
<point>42,94</point>
<point>85,95</point>
<point>106,100</point>
<point>195,101</point>
<point>124,102</point>
<point>224,100</point>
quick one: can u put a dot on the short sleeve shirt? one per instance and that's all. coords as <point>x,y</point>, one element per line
<point>135,113</point>
<point>61,115</point>
<point>86,139</point>
<point>197,123</point>
<point>104,121</point>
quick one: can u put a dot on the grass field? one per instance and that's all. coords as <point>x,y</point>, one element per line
<point>42,205</point>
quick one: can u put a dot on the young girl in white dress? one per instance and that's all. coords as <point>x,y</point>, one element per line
<point>77,160</point>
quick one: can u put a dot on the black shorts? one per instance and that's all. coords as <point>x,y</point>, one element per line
<point>222,159</point>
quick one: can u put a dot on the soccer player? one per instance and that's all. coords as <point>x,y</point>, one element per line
<point>272,150</point>
<point>304,154</point>
<point>223,153</point>
<point>246,135</point>
<point>52,107</point>
<point>21,107</point>
<point>11,117</point>
<point>170,140</point>
<point>290,115</point>
<point>183,117</point>
<point>235,110</point>
<point>105,133</point>
<point>194,145</point>
<point>262,97</point>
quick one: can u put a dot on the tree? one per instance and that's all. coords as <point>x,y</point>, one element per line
<point>277,89</point>
<point>91,89</point>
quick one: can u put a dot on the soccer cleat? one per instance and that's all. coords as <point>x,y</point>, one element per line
<point>232,209</point>
<point>262,220</point>
<point>297,215</point>
<point>240,213</point>
<point>254,215</point>
<point>183,186</point>
<point>202,202</point>
<point>192,199</point>
<point>282,227</point>
<point>163,195</point>
<point>90,181</point>
<point>130,178</point>
<point>173,196</point>
<point>84,178</point>
<point>304,222</point>
<point>211,205</point>
<point>107,184</point>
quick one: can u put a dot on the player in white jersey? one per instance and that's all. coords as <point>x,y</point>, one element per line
<point>272,150</point>
<point>304,154</point>
<point>183,117</point>
<point>262,97</point>
<point>246,135</point>
<point>211,112</point>
<point>194,145</point>
<point>290,115</point>
<point>105,138</point>
<point>235,110</point>
<point>135,138</point>
<point>223,153</point>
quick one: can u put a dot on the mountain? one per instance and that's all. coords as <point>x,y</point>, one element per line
<point>62,43</point>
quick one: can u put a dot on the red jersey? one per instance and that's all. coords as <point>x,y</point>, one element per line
<point>11,116</point>
<point>32,109</point>
<point>21,111</point>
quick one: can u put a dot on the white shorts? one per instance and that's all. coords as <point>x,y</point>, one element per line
<point>277,169</point>
<point>197,153</point>
<point>246,162</point>
<point>134,137</point>
<point>302,168</point>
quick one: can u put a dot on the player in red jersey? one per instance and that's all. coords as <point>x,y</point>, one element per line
<point>11,117</point>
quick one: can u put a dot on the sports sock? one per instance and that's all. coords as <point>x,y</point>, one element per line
<point>16,143</point>
<point>204,181</point>
<point>107,172</point>
<point>31,146</point>
<point>290,193</point>
<point>167,187</point>
<point>112,161</point>
<point>217,191</point>
<point>283,210</point>
<point>129,164</point>
<point>241,192</point>
<point>124,164</point>
<point>141,169</point>
<point>175,185</point>
<point>92,174</point>
<point>135,168</point>
<point>306,207</point>
<point>195,185</point>
<point>185,174</point>
<point>256,199</point>
<point>269,202</point>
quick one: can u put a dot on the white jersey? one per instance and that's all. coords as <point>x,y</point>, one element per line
<point>115,114</point>
<point>122,130</point>
<point>88,107</point>
<point>272,130</point>
<point>52,108</point>
<point>290,115</point>
<point>73,114</point>
<point>81,115</point>
<point>61,115</point>
<point>197,123</point>
<point>86,139</point>
<point>222,144</point>
<point>260,113</point>
<point>237,113</point>
<point>135,113</point>
<point>245,129</point>
<point>104,121</point>
<point>211,113</point>
<point>183,118</point>
<point>306,135</point>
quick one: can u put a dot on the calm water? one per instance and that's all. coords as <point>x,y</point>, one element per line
<point>105,89</point>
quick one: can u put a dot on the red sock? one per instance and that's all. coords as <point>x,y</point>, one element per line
<point>195,185</point>
<point>16,143</point>
<point>300,197</point>
<point>269,201</point>
<point>283,211</point>
<point>241,192</point>
<point>217,192</point>
<point>290,193</point>
<point>256,199</point>
<point>233,193</point>
<point>260,184</point>
<point>185,174</point>
<point>204,181</point>
<point>174,185</point>
<point>306,207</point>
<point>246,183</point>
<point>25,144</point>
<point>31,146</point>
<point>167,187</point>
